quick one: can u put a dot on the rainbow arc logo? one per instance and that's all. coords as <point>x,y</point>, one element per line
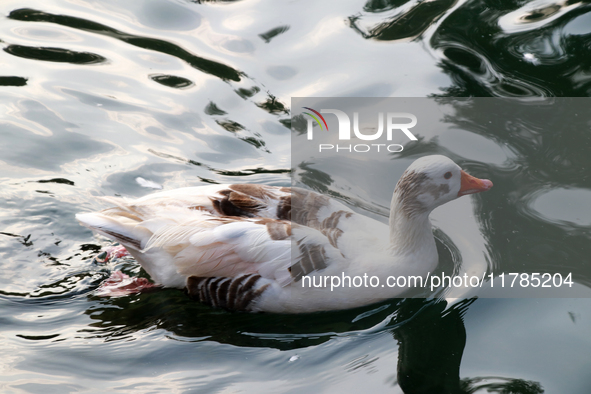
<point>315,118</point>
<point>388,124</point>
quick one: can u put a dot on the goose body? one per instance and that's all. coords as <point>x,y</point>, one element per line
<point>264,248</point>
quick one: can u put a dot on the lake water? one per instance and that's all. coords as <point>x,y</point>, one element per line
<point>95,94</point>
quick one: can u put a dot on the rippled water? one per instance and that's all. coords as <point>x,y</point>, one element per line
<point>182,93</point>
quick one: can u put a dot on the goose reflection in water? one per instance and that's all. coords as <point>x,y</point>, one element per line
<point>429,336</point>
<point>431,341</point>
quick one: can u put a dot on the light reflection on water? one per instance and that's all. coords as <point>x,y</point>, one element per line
<point>564,206</point>
<point>189,93</point>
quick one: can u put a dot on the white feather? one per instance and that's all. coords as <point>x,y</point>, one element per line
<point>195,232</point>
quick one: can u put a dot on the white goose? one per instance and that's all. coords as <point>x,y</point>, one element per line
<point>264,248</point>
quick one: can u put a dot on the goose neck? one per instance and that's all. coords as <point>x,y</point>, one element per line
<point>410,232</point>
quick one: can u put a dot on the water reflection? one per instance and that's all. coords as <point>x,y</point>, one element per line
<point>171,81</point>
<point>187,320</point>
<point>399,19</point>
<point>431,343</point>
<point>59,55</point>
<point>512,51</point>
<point>566,208</point>
<point>92,106</point>
<point>429,336</point>
<point>205,65</point>
<point>13,81</point>
<point>505,49</point>
<point>544,159</point>
<point>269,35</point>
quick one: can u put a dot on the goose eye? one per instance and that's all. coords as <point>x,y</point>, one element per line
<point>447,175</point>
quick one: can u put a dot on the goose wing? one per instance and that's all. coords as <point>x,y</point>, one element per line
<point>310,209</point>
<point>239,200</point>
<point>178,243</point>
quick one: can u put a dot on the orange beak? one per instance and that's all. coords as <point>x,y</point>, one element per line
<point>471,185</point>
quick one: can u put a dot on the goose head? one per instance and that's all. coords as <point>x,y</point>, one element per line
<point>432,181</point>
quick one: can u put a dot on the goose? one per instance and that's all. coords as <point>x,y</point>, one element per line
<point>261,248</point>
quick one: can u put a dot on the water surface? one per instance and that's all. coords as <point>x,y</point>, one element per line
<point>187,93</point>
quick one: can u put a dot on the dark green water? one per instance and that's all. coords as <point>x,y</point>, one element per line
<point>96,94</point>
